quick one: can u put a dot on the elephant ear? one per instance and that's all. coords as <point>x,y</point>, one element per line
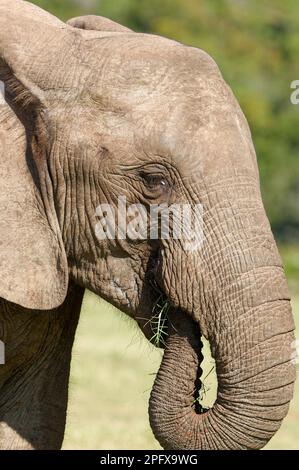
<point>33,264</point>
<point>97,23</point>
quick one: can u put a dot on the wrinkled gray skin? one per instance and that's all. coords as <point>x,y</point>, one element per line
<point>92,115</point>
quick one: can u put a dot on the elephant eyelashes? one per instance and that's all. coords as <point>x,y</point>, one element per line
<point>154,181</point>
<point>155,185</point>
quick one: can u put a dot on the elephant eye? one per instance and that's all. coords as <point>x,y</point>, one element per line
<point>155,182</point>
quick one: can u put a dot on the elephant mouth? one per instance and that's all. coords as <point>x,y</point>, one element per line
<point>161,328</point>
<point>163,323</point>
<point>159,319</point>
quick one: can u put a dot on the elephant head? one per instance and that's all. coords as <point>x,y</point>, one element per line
<point>96,112</point>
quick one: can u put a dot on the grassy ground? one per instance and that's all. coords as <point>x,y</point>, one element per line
<point>112,373</point>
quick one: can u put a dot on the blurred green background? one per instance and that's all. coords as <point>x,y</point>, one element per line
<point>256,45</point>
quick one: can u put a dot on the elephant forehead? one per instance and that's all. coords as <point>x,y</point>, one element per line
<point>203,134</point>
<point>174,101</point>
<point>133,68</point>
<point>208,136</point>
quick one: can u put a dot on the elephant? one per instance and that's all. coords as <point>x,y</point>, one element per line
<point>94,111</point>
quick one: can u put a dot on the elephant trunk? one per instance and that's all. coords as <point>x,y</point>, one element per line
<point>255,375</point>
